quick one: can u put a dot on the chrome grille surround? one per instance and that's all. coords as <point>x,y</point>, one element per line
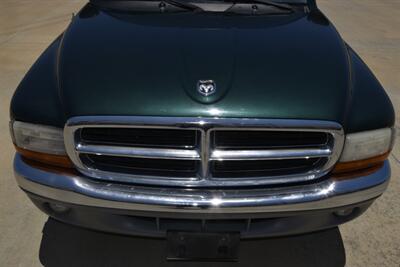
<point>204,152</point>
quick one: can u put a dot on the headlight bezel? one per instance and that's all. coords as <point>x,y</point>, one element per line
<point>367,144</point>
<point>40,143</point>
<point>365,150</point>
<point>38,138</point>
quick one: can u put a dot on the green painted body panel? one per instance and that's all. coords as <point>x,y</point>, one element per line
<point>288,67</point>
<point>264,66</point>
<point>370,106</point>
<point>36,99</point>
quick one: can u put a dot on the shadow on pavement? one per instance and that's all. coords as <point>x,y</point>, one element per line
<point>65,245</point>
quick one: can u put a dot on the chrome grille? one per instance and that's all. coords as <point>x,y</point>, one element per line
<point>197,152</point>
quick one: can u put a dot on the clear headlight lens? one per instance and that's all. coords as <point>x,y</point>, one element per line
<point>44,144</point>
<point>365,150</point>
<point>39,138</point>
<point>367,144</point>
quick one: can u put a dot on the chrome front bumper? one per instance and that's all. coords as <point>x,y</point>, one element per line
<point>80,190</point>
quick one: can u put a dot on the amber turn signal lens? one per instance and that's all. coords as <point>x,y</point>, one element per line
<point>48,159</point>
<point>359,165</point>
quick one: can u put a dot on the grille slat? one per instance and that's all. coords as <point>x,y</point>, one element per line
<point>203,152</point>
<point>138,152</point>
<point>275,154</point>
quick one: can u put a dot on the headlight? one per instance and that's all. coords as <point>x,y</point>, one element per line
<point>365,150</point>
<point>40,143</point>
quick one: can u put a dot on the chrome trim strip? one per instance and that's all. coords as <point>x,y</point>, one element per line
<point>206,126</point>
<point>204,123</point>
<point>270,154</point>
<point>139,152</point>
<point>75,189</point>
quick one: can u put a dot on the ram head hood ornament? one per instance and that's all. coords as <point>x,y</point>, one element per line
<point>206,87</point>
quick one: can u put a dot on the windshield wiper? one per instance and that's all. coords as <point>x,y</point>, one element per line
<point>182,4</point>
<point>121,4</point>
<point>264,2</point>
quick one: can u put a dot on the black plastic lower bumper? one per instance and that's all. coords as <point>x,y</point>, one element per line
<point>64,245</point>
<point>151,224</point>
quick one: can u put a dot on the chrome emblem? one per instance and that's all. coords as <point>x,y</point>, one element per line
<point>206,87</point>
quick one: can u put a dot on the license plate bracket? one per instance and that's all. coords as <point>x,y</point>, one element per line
<point>194,246</point>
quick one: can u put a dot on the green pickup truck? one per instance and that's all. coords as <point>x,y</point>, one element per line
<point>154,117</point>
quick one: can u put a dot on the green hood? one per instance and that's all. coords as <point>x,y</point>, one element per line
<point>277,66</point>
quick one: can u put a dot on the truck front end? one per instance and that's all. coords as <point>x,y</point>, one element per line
<point>263,125</point>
